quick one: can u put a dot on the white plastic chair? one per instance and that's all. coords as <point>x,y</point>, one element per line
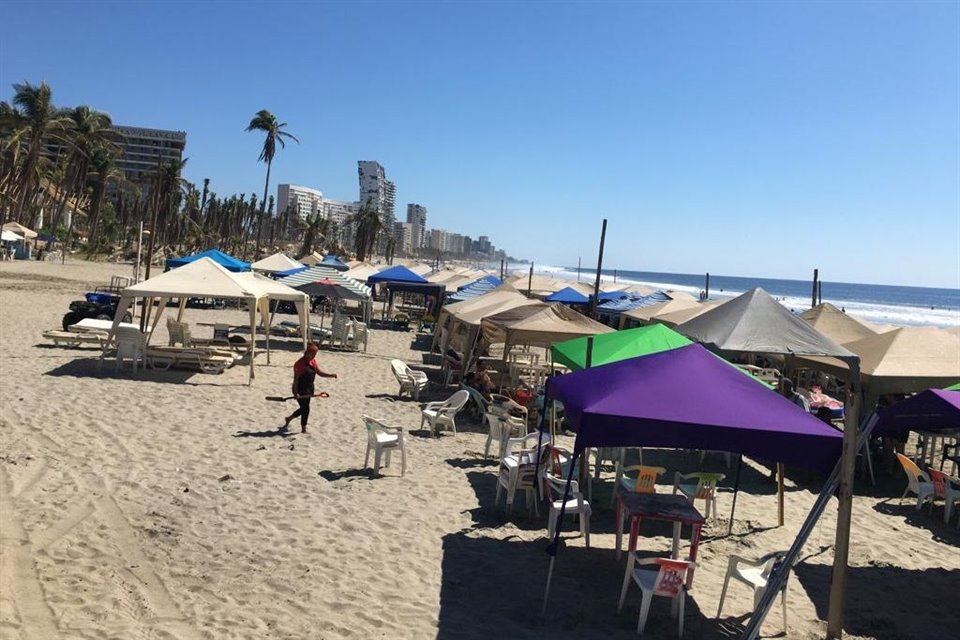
<point>412,382</point>
<point>442,414</point>
<point>668,580</point>
<point>382,439</point>
<point>572,503</point>
<point>518,468</point>
<point>131,345</point>
<point>359,336</point>
<point>705,489</point>
<point>943,489</point>
<point>501,428</point>
<point>754,574</point>
<point>918,482</point>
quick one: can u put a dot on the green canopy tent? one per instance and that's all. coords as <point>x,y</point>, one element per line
<point>955,387</point>
<point>616,346</point>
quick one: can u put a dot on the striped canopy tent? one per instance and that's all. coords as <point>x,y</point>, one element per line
<point>475,289</point>
<point>348,288</point>
<point>619,305</point>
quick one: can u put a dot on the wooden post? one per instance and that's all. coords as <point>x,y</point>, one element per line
<point>530,282</point>
<point>820,292</point>
<point>706,289</point>
<point>841,547</point>
<point>596,284</point>
<point>578,268</point>
<point>813,297</point>
<point>614,276</point>
<point>780,494</point>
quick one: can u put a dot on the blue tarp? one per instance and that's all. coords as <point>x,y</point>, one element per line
<point>568,295</point>
<point>396,274</point>
<point>290,272</point>
<point>334,262</point>
<point>227,262</point>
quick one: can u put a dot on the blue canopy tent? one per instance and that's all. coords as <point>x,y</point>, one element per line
<point>568,295</point>
<point>399,278</point>
<point>226,261</point>
<point>334,262</point>
<point>290,272</point>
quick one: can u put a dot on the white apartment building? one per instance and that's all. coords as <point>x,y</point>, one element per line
<point>417,217</point>
<point>338,211</point>
<point>298,202</point>
<point>375,187</point>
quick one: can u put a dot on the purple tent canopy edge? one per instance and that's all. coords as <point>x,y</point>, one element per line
<point>687,398</point>
<point>930,410</point>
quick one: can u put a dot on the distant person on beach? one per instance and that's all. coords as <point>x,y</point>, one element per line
<point>787,391</point>
<point>305,371</point>
<point>480,380</point>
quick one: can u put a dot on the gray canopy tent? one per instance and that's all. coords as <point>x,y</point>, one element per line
<point>756,323</point>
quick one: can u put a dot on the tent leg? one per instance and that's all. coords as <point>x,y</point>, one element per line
<point>780,494</point>
<point>736,490</point>
<point>546,592</point>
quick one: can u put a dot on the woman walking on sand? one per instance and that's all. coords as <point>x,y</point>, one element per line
<point>305,371</point>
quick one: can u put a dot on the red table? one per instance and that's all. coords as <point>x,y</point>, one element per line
<point>659,506</point>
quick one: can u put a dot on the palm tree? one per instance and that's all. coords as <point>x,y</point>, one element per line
<point>368,226</point>
<point>44,123</point>
<point>267,122</point>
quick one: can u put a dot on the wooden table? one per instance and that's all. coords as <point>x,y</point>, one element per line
<point>658,506</point>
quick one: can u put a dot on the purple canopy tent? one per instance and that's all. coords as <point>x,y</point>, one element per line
<point>930,410</point>
<point>687,398</point>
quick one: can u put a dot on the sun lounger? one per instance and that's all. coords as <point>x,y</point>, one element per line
<point>203,359</point>
<point>75,339</point>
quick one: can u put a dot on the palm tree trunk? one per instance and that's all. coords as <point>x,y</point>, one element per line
<point>263,205</point>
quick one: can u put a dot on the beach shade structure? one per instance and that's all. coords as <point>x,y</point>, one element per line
<point>10,236</point>
<point>581,353</point>
<point>835,324</point>
<point>396,274</point>
<point>275,264</point>
<point>954,387</point>
<point>475,289</point>
<point>458,324</point>
<point>201,278</point>
<point>334,262</point>
<point>646,315</point>
<point>930,410</point>
<point>905,360</point>
<point>754,322</point>
<point>363,270</point>
<point>538,325</point>
<point>568,295</point>
<point>675,317</point>
<point>320,280</point>
<point>687,398</point>
<point>228,262</point>
<point>290,272</point>
<point>20,230</point>
<point>312,259</point>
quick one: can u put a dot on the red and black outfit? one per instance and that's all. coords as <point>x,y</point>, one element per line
<point>305,371</point>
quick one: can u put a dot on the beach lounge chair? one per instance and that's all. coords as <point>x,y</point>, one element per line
<point>203,359</point>
<point>382,439</point>
<point>918,482</point>
<point>412,382</point>
<point>754,574</point>
<point>667,580</point>
<point>572,503</point>
<point>75,339</point>
<point>705,489</point>
<point>443,414</point>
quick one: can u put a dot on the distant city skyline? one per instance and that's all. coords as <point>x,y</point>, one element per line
<point>738,138</point>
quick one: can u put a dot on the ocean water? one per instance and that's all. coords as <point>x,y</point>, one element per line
<point>879,304</point>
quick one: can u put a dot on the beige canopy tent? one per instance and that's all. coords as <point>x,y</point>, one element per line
<point>837,325</point>
<point>905,360</point>
<point>678,317</point>
<point>18,228</point>
<point>538,325</point>
<point>270,290</point>
<point>458,326</point>
<point>276,263</point>
<point>204,278</point>
<point>312,259</point>
<point>647,315</point>
<point>362,270</point>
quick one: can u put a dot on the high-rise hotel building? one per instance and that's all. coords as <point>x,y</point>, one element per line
<point>417,217</point>
<point>142,149</point>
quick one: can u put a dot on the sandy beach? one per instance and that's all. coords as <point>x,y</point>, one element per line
<point>168,505</point>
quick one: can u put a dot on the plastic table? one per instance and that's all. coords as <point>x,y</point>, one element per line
<point>658,506</point>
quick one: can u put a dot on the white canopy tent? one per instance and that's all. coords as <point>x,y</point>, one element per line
<point>204,278</point>
<point>276,263</point>
<point>10,236</point>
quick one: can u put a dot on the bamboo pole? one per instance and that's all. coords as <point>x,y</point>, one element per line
<point>596,284</point>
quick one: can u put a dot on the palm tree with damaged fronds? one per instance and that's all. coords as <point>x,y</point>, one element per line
<point>273,129</point>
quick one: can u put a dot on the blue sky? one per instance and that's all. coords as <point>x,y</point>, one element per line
<point>741,138</point>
